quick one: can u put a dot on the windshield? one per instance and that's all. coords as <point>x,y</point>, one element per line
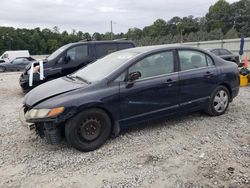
<point>57,52</point>
<point>103,67</point>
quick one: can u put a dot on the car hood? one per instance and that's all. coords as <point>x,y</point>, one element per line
<point>51,89</point>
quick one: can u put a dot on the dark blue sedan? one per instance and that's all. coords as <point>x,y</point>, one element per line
<point>128,87</point>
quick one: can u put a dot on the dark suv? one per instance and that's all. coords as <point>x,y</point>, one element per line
<point>70,58</point>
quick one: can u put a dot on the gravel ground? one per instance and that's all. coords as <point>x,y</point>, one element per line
<point>190,151</point>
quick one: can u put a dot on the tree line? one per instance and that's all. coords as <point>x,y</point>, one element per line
<point>223,21</point>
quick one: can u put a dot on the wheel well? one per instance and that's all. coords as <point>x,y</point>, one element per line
<point>229,89</point>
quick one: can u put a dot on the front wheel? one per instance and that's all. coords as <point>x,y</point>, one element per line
<point>88,130</point>
<point>218,102</point>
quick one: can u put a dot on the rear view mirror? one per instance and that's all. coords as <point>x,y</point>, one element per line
<point>134,76</point>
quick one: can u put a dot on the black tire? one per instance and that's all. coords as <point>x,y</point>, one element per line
<point>2,69</point>
<point>218,102</point>
<point>88,130</point>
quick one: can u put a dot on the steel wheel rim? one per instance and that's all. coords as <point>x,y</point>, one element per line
<point>89,129</point>
<point>220,101</point>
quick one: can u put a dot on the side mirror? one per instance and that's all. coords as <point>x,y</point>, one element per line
<point>64,59</point>
<point>134,76</point>
<point>67,59</point>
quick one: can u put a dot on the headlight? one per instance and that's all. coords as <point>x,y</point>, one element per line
<point>43,113</point>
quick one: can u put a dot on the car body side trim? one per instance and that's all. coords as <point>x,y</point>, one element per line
<point>149,113</point>
<point>196,100</point>
<point>200,68</point>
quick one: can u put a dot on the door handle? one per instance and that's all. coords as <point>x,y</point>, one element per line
<point>208,74</point>
<point>170,82</point>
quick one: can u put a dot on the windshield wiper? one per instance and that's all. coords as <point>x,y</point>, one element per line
<point>70,77</point>
<point>77,77</point>
<point>82,79</point>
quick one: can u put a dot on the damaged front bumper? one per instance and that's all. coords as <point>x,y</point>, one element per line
<point>48,129</point>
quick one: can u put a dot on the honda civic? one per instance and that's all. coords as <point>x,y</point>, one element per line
<point>129,87</point>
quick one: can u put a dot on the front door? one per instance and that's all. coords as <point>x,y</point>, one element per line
<point>73,59</point>
<point>155,93</point>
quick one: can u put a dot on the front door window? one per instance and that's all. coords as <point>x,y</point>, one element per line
<point>154,65</point>
<point>77,53</point>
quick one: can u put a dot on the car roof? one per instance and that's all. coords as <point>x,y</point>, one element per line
<point>29,58</point>
<point>103,42</point>
<point>146,49</point>
<point>217,49</point>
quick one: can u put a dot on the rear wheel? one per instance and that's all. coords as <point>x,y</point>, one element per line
<point>88,130</point>
<point>2,69</point>
<point>219,101</point>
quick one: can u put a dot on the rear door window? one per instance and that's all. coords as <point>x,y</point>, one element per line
<point>21,61</point>
<point>225,52</point>
<point>104,49</point>
<point>216,51</point>
<point>190,59</point>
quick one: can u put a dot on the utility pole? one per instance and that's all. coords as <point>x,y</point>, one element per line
<point>111,28</point>
<point>181,36</point>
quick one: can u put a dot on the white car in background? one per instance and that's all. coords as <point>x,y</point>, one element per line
<point>9,56</point>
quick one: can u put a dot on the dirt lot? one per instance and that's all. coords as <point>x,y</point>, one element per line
<point>190,151</point>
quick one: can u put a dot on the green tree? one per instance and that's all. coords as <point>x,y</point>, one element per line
<point>52,45</point>
<point>96,36</point>
<point>231,34</point>
<point>218,16</point>
<point>134,34</point>
<point>216,34</point>
<point>240,16</point>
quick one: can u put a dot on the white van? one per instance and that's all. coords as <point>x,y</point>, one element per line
<point>8,56</point>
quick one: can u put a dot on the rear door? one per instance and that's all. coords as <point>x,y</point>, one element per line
<point>155,93</point>
<point>198,77</point>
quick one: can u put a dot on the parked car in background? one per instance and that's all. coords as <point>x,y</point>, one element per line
<point>70,58</point>
<point>17,64</point>
<point>8,56</point>
<point>128,87</point>
<point>226,54</point>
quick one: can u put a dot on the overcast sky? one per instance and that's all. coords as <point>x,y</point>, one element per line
<point>95,15</point>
